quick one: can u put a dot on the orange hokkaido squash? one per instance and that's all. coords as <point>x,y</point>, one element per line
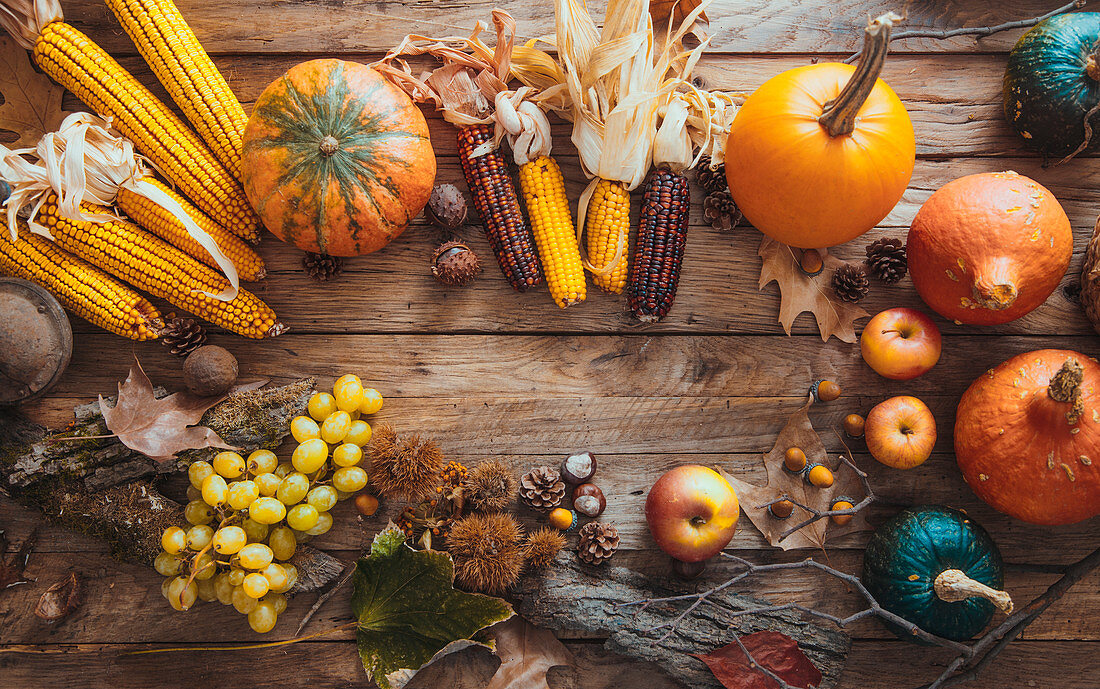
<point>1027,437</point>
<point>820,154</point>
<point>336,159</point>
<point>988,248</point>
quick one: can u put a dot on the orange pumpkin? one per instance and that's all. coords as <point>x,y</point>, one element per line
<point>1027,437</point>
<point>988,248</point>
<point>336,159</point>
<point>820,154</point>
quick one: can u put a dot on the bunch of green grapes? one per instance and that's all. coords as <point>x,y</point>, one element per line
<point>247,516</point>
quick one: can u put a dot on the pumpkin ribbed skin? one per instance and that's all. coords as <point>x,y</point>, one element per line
<point>1018,450</point>
<point>799,185</point>
<point>1049,83</point>
<point>988,248</point>
<point>336,159</point>
<point>909,551</point>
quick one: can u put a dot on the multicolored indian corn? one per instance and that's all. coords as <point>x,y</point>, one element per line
<point>607,231</point>
<point>548,207</point>
<point>659,248</point>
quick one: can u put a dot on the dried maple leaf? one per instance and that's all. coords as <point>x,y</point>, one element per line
<point>32,103</point>
<point>159,428</point>
<point>801,292</point>
<point>526,653</point>
<point>799,433</point>
<point>777,652</point>
<point>662,10</point>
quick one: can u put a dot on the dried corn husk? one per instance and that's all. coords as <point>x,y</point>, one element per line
<point>86,161</point>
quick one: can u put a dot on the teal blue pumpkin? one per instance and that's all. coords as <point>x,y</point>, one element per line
<point>934,567</point>
<point>1053,80</point>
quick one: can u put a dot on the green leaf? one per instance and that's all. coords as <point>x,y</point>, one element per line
<point>409,612</point>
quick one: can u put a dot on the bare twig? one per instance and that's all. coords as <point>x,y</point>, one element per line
<point>815,514</point>
<point>323,598</point>
<point>979,31</point>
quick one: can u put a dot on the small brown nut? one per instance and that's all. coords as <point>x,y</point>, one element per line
<point>781,509</point>
<point>578,468</point>
<point>854,425</point>
<point>794,459</point>
<point>688,570</point>
<point>811,262</point>
<point>589,500</point>
<point>209,371</point>
<point>825,391</point>
<point>841,504</point>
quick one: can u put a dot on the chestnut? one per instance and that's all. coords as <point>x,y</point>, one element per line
<point>578,468</point>
<point>589,500</point>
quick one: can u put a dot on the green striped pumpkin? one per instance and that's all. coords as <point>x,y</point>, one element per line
<point>337,160</point>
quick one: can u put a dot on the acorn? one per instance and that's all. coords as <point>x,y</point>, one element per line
<point>794,460</point>
<point>578,468</point>
<point>455,263</point>
<point>589,500</point>
<point>841,503</point>
<point>688,570</point>
<point>781,509</point>
<point>562,519</point>
<point>811,262</point>
<point>854,425</point>
<point>820,476</point>
<point>825,391</point>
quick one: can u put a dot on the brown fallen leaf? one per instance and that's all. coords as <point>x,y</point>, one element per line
<point>662,10</point>
<point>773,650</point>
<point>800,292</point>
<point>32,103</point>
<point>526,653</point>
<point>799,432</point>
<point>60,600</point>
<point>11,568</point>
<point>159,428</point>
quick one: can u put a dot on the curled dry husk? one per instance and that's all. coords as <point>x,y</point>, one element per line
<point>85,161</point>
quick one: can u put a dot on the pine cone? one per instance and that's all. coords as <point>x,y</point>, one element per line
<point>447,207</point>
<point>321,267</point>
<point>454,263</point>
<point>598,542</point>
<point>182,336</point>
<point>711,180</point>
<point>886,259</point>
<point>720,210</point>
<point>542,488</point>
<point>850,282</point>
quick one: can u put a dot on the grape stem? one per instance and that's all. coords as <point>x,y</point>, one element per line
<point>273,644</point>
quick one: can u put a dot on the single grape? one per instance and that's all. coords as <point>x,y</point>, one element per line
<point>255,585</point>
<point>282,543</point>
<point>310,455</point>
<point>293,489</point>
<point>267,484</point>
<point>167,564</point>
<point>343,495</point>
<point>335,428</point>
<point>204,567</point>
<point>283,469</point>
<point>236,576</point>
<point>347,455</point>
<point>302,517</point>
<point>276,599</point>
<point>255,531</point>
<point>242,602</point>
<point>372,402</point>
<point>347,378</point>
<point>304,428</point>
<point>198,471</point>
<point>198,512</point>
<point>291,578</point>
<point>321,405</point>
<point>263,617</point>
<point>359,433</point>
<point>214,490</point>
<point>262,462</point>
<point>181,594</point>
<point>193,493</point>
<point>224,589</point>
<point>198,537</point>
<point>349,395</point>
<point>229,464</point>
<point>242,494</point>
<point>323,498</point>
<point>276,576</point>
<point>229,539</point>
<point>324,523</point>
<point>349,479</point>
<point>266,511</point>
<point>206,589</point>
<point>173,540</point>
<point>164,586</point>
<point>255,556</point>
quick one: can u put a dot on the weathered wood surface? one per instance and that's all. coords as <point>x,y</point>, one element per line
<point>490,372</point>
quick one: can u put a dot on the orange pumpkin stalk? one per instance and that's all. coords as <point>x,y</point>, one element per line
<point>820,154</point>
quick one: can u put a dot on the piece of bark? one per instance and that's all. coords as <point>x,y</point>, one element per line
<point>572,596</point>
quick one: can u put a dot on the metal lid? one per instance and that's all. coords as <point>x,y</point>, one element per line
<point>36,340</point>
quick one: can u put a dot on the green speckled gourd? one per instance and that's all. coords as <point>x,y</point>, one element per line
<point>933,566</point>
<point>1053,80</point>
<point>336,159</point>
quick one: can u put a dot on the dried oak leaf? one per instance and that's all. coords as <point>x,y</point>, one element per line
<point>60,600</point>
<point>32,103</point>
<point>777,652</point>
<point>159,428</point>
<point>11,568</point>
<point>526,653</point>
<point>801,292</point>
<point>662,10</point>
<point>798,432</point>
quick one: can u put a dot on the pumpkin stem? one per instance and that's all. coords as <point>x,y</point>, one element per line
<point>994,287</point>
<point>953,586</point>
<point>839,114</point>
<point>1092,63</point>
<point>1065,386</point>
<point>329,145</point>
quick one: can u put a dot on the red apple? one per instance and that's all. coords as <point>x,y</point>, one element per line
<point>900,432</point>
<point>901,343</point>
<point>692,512</point>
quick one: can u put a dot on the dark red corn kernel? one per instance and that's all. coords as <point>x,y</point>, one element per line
<point>659,250</point>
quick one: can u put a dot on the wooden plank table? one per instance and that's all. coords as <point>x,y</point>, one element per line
<point>489,372</point>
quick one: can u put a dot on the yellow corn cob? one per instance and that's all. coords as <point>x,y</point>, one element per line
<point>83,289</point>
<point>548,208</point>
<point>156,219</point>
<point>151,264</point>
<point>607,226</point>
<point>169,46</point>
<point>78,64</point>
